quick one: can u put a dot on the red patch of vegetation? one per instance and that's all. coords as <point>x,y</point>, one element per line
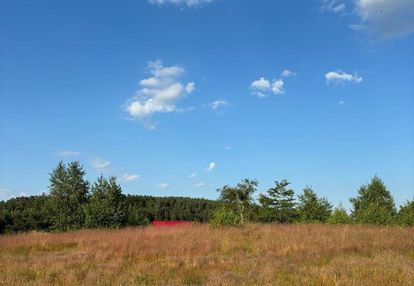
<point>160,223</point>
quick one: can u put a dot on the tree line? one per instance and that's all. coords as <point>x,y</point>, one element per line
<point>74,203</point>
<point>373,204</point>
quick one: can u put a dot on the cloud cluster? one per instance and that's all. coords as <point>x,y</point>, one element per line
<point>262,87</point>
<point>159,92</point>
<point>340,77</point>
<point>188,3</point>
<point>385,19</point>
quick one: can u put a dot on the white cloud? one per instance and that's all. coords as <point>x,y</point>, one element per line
<point>218,104</point>
<point>385,19</point>
<point>211,167</point>
<point>261,84</point>
<point>67,153</point>
<point>188,3</point>
<point>192,175</point>
<point>263,87</point>
<point>333,6</point>
<point>199,185</point>
<point>158,93</point>
<point>129,177</point>
<point>164,186</point>
<point>288,73</point>
<point>340,77</point>
<point>277,87</point>
<point>100,165</point>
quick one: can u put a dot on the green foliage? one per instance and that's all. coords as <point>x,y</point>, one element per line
<point>374,214</point>
<point>313,209</point>
<point>143,209</point>
<point>240,197</point>
<point>406,214</point>
<point>225,217</point>
<point>106,206</point>
<point>340,216</point>
<point>374,204</point>
<point>279,204</point>
<point>69,192</point>
<point>25,214</point>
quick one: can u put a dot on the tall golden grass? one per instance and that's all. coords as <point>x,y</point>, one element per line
<point>201,255</point>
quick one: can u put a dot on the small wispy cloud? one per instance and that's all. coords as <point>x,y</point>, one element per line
<point>164,186</point>
<point>129,177</point>
<point>215,105</point>
<point>334,6</point>
<point>192,175</point>
<point>199,185</point>
<point>228,147</point>
<point>341,102</point>
<point>340,77</point>
<point>288,73</point>
<point>211,167</point>
<point>100,165</point>
<point>187,3</point>
<point>68,153</point>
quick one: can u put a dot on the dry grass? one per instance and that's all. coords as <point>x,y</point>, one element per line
<point>200,255</point>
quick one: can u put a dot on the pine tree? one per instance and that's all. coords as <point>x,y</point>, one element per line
<point>313,209</point>
<point>280,201</point>
<point>406,214</point>
<point>374,203</point>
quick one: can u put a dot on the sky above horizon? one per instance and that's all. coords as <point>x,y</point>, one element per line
<point>181,97</point>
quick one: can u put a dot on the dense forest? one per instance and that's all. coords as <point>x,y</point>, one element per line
<point>74,203</point>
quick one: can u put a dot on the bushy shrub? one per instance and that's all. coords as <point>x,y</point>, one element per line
<point>339,216</point>
<point>225,217</point>
<point>406,214</point>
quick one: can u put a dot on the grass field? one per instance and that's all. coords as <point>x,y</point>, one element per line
<point>201,255</point>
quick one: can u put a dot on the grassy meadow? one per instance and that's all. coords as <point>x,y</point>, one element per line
<point>307,254</point>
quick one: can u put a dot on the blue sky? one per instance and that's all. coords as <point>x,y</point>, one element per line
<point>180,97</point>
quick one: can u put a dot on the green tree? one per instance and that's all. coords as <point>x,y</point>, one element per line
<point>280,200</point>
<point>313,209</point>
<point>225,217</point>
<point>340,216</point>
<point>69,192</point>
<point>373,200</point>
<point>106,207</point>
<point>240,197</point>
<point>406,214</point>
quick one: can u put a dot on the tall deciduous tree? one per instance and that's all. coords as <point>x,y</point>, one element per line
<point>374,203</point>
<point>312,208</point>
<point>281,201</point>
<point>240,196</point>
<point>69,192</point>
<point>106,207</point>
